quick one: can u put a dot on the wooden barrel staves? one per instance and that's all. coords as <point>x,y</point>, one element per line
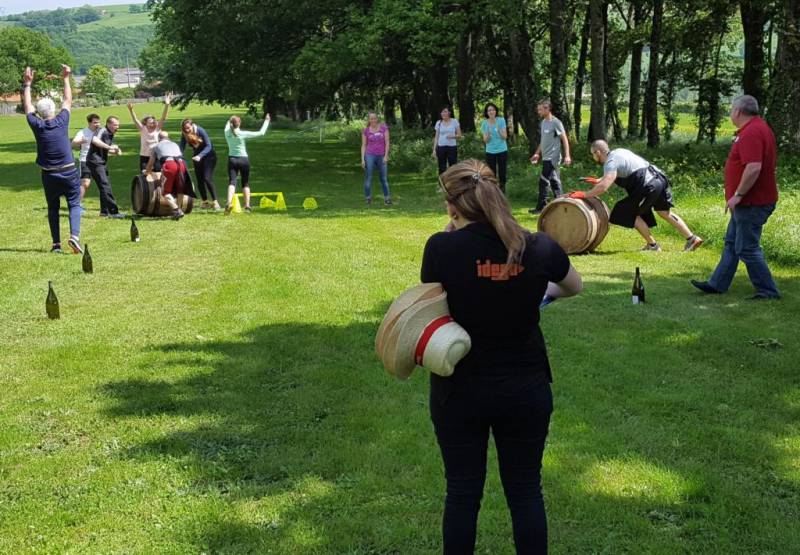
<point>146,198</point>
<point>578,225</point>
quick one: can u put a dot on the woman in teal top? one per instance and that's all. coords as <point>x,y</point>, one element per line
<point>238,161</point>
<point>495,134</point>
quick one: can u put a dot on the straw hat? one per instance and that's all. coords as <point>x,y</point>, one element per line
<point>418,331</point>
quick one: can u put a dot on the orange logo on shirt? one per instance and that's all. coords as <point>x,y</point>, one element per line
<point>498,272</point>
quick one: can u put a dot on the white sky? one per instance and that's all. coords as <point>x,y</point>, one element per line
<point>8,7</point>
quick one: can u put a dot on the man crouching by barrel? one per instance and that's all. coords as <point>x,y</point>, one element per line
<point>173,169</point>
<point>648,189</point>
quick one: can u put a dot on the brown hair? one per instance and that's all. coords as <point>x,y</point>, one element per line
<point>236,122</point>
<point>191,137</point>
<point>471,187</point>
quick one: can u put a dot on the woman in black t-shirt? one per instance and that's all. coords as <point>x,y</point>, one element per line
<point>495,273</point>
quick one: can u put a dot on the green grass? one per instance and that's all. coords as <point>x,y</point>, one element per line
<point>116,17</point>
<point>214,388</point>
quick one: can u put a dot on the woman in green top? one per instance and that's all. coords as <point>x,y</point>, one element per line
<point>495,133</point>
<point>238,161</point>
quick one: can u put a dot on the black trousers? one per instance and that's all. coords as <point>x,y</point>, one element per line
<point>446,156</point>
<point>204,171</point>
<point>498,163</point>
<point>108,204</point>
<point>143,164</point>
<point>516,410</point>
<point>239,165</point>
<point>549,179</point>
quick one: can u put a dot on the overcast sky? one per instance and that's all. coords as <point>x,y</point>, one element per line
<point>8,7</point>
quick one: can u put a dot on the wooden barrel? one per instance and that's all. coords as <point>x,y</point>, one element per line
<point>578,225</point>
<point>146,198</point>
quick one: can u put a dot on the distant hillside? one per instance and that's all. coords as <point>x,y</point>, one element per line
<point>107,35</point>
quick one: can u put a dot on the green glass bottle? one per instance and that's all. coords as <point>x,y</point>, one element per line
<point>87,260</point>
<point>51,304</point>
<point>134,231</point>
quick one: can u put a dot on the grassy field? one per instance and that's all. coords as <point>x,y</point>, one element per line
<point>213,388</point>
<point>116,17</point>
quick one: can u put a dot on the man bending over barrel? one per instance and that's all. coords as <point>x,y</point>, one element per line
<point>170,158</point>
<point>648,189</point>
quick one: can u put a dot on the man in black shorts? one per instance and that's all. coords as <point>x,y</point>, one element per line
<point>648,189</point>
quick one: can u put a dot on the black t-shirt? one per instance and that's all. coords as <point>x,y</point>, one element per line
<point>500,315</point>
<point>97,155</point>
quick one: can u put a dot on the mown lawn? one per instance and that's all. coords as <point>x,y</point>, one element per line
<point>213,388</point>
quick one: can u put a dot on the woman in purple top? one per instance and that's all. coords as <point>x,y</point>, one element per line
<point>375,155</point>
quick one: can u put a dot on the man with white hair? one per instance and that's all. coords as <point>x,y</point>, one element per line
<point>60,177</point>
<point>648,190</point>
<point>751,193</point>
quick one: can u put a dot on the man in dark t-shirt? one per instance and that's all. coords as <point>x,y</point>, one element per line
<point>97,160</point>
<point>751,193</point>
<point>60,177</point>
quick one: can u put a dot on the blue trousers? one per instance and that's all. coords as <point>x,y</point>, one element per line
<point>66,184</point>
<point>375,162</point>
<point>743,242</point>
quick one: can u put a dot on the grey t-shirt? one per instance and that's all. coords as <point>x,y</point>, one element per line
<point>625,162</point>
<point>165,149</point>
<point>551,131</point>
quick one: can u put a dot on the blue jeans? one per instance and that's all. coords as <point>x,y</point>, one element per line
<point>66,184</point>
<point>743,242</point>
<point>373,162</point>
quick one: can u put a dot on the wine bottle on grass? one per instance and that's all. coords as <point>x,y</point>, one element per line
<point>51,304</point>
<point>637,293</point>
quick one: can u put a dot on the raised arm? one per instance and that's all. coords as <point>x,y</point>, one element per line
<point>136,121</point>
<point>167,102</point>
<point>27,79</point>
<point>65,73</point>
<point>260,133</point>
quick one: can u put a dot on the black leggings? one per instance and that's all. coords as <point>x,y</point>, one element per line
<point>517,412</point>
<point>236,165</point>
<point>204,170</point>
<point>446,156</point>
<point>497,163</point>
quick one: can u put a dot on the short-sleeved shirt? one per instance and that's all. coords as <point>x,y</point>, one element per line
<point>500,313</point>
<point>148,140</point>
<point>99,156</point>
<point>497,143</point>
<point>85,136</point>
<point>551,131</point>
<point>446,129</point>
<point>626,163</point>
<point>376,140</point>
<point>753,143</point>
<point>53,146</point>
<point>167,149</point>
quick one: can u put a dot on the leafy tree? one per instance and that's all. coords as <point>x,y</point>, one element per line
<point>21,47</point>
<point>99,83</point>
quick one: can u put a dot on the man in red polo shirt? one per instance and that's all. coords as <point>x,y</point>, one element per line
<point>751,192</point>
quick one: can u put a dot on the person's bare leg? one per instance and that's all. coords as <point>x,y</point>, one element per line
<point>246,191</point>
<point>644,230</point>
<point>84,187</point>
<point>676,222</point>
<point>171,201</point>
<point>231,192</point>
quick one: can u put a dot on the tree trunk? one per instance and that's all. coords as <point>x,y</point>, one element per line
<point>525,90</point>
<point>597,129</point>
<point>420,98</point>
<point>783,114</point>
<point>634,97</point>
<point>580,76</point>
<point>651,95</point>
<point>439,79</point>
<point>754,18</point>
<point>408,111</point>
<point>559,59</point>
<point>465,76</point>
<point>389,115</point>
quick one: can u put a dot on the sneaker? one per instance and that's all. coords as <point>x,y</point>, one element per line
<point>388,202</point>
<point>369,201</point>
<point>117,216</point>
<point>75,244</point>
<point>205,205</point>
<point>248,209</point>
<point>705,287</point>
<point>178,214</point>
<point>763,297</point>
<point>692,243</point>
<point>535,211</point>
<point>216,207</point>
<point>652,247</point>
<point>228,210</point>
<point>56,248</point>
<point>104,214</point>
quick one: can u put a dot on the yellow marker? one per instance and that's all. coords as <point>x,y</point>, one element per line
<point>310,203</point>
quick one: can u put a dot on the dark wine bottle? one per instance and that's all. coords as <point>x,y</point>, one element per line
<point>87,260</point>
<point>134,231</point>
<point>637,293</point>
<point>51,304</point>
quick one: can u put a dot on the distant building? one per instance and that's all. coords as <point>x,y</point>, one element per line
<point>127,77</point>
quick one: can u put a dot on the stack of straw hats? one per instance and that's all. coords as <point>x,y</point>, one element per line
<point>418,331</point>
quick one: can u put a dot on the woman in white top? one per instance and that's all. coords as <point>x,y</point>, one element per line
<point>448,131</point>
<point>149,129</point>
